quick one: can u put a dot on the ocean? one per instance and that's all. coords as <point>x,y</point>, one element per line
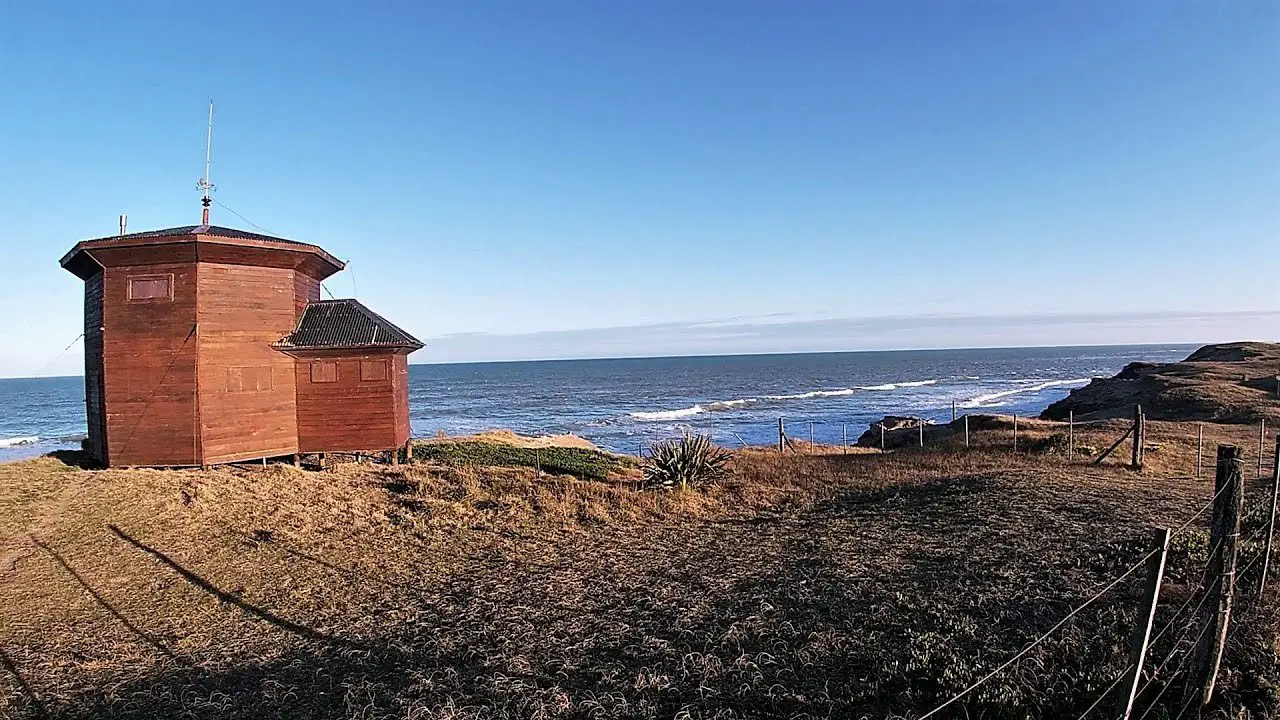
<point>624,404</point>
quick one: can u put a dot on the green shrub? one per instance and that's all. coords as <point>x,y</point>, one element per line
<point>691,461</point>
<point>580,462</point>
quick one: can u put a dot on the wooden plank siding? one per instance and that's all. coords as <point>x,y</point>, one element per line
<point>306,289</point>
<point>400,365</point>
<point>95,409</point>
<point>149,360</point>
<point>248,406</point>
<point>352,414</point>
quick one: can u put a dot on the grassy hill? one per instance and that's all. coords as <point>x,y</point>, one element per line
<point>822,585</point>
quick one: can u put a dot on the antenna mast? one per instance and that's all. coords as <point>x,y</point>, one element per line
<point>203,183</point>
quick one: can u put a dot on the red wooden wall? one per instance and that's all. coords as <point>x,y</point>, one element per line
<point>247,405</point>
<point>358,410</point>
<point>149,361</point>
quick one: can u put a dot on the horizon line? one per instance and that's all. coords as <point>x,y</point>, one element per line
<point>760,354</point>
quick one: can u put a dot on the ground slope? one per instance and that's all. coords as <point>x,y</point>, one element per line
<point>807,586</point>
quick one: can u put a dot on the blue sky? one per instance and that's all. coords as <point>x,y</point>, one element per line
<point>518,180</point>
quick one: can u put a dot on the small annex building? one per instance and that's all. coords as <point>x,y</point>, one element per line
<point>206,345</point>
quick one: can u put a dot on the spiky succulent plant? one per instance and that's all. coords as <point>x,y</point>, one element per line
<point>688,462</point>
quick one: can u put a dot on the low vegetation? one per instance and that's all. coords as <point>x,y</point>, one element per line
<point>692,461</point>
<point>827,584</point>
<point>579,462</point>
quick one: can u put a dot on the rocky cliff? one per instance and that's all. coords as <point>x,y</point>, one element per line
<point>1230,383</point>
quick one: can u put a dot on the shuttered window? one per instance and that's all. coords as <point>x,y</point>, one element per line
<point>150,287</point>
<point>373,370</point>
<point>248,379</point>
<point>324,371</point>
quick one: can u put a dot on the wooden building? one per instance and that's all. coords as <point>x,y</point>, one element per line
<point>206,344</point>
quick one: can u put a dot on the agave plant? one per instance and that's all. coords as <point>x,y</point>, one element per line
<point>691,461</point>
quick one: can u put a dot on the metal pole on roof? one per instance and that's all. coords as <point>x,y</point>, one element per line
<point>204,183</point>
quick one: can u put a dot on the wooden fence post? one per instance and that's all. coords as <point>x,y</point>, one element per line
<point>1271,518</point>
<point>810,436</point>
<point>782,437</point>
<point>1071,435</point>
<point>1262,445</point>
<point>1136,460</point>
<point>1141,635</point>
<point>881,436</point>
<point>408,450</point>
<point>966,429</point>
<point>953,411</point>
<point>1225,536</point>
<point>1199,447</point>
<point>844,438</point>
<point>1015,432</point>
<point>921,432</point>
<point>1142,446</point>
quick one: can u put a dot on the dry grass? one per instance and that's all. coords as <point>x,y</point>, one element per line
<point>822,585</point>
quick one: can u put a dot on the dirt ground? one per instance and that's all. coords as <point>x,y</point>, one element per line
<point>823,585</point>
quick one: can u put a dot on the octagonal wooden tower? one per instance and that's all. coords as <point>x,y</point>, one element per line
<point>206,344</point>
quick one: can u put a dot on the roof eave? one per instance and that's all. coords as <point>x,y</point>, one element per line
<point>295,349</point>
<point>298,247</point>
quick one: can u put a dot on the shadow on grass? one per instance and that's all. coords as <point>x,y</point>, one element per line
<point>37,707</point>
<point>102,601</point>
<point>301,631</point>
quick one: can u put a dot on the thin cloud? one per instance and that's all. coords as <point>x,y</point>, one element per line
<point>766,334</point>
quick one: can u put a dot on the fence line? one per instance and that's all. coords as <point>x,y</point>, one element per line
<point>1210,586</point>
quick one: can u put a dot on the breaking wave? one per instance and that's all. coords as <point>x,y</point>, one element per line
<point>15,441</point>
<point>989,399</point>
<point>722,405</point>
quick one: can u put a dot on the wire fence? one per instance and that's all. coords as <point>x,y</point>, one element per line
<point>1178,651</point>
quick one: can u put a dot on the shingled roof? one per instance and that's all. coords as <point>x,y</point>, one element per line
<point>210,230</point>
<point>345,324</point>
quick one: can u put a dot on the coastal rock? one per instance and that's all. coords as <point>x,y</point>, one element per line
<point>898,431</point>
<point>1230,383</point>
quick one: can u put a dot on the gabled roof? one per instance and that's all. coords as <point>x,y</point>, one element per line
<point>328,324</point>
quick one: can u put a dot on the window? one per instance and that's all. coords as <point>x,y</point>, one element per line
<point>324,371</point>
<point>248,379</point>
<point>373,369</point>
<point>150,287</point>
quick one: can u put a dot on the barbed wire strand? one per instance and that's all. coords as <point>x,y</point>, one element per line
<point>1204,575</point>
<point>1177,644</point>
<point>1169,682</point>
<point>1047,634</point>
<point>1199,512</point>
<point>1107,692</point>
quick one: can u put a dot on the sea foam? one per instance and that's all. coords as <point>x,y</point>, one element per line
<point>989,399</point>
<point>15,441</point>
<point>722,405</point>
